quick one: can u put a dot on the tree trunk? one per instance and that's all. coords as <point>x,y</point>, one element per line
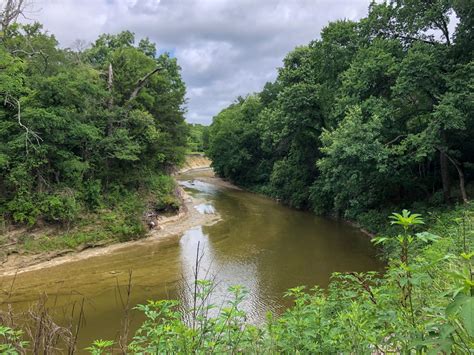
<point>462,183</point>
<point>443,164</point>
<point>110,102</point>
<point>110,83</point>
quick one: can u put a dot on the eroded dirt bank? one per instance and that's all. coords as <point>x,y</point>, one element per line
<point>195,161</point>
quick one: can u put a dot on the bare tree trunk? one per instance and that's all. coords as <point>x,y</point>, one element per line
<point>110,83</point>
<point>462,183</point>
<point>110,101</point>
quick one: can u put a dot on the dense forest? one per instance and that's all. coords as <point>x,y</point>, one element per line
<point>374,114</point>
<point>89,129</point>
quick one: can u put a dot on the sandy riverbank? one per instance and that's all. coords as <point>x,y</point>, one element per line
<point>168,227</point>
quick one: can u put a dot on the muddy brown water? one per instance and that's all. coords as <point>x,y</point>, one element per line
<point>258,243</point>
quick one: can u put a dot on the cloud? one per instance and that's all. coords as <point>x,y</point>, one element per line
<point>226,48</point>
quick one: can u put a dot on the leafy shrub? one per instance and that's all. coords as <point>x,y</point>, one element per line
<point>59,208</point>
<point>125,229</point>
<point>125,220</point>
<point>11,342</point>
<point>92,194</point>
<point>167,330</point>
<point>24,209</point>
<point>290,183</point>
<point>161,188</point>
<point>167,203</point>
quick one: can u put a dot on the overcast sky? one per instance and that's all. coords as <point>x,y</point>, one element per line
<point>226,48</point>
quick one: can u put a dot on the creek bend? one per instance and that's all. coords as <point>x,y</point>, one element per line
<point>258,243</point>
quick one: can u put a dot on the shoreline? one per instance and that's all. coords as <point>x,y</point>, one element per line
<point>221,182</point>
<point>168,227</point>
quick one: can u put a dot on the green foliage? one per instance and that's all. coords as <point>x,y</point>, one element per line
<point>198,139</point>
<point>162,193</point>
<point>375,115</point>
<point>423,303</point>
<point>100,347</point>
<point>167,330</point>
<point>10,341</point>
<point>124,221</point>
<point>234,143</point>
<point>70,136</point>
<point>59,208</point>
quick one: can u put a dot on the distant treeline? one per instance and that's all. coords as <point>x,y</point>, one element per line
<point>375,113</point>
<point>198,139</point>
<point>78,126</point>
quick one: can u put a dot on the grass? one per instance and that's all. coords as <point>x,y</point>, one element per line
<point>91,230</point>
<point>102,227</point>
<point>117,218</point>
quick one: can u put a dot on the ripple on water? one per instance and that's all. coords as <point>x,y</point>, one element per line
<point>199,186</point>
<point>205,208</point>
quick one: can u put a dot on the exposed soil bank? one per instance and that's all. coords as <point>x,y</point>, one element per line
<point>195,161</point>
<point>168,226</point>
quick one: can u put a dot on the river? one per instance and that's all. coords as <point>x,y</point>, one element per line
<point>258,243</point>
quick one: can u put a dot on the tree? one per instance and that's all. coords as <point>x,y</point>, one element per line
<point>10,11</point>
<point>376,113</point>
<point>74,130</point>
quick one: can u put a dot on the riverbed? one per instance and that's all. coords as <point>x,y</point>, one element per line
<point>256,242</point>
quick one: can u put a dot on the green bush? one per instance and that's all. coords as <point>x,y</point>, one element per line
<point>161,189</point>
<point>59,208</point>
<point>422,304</point>
<point>92,194</point>
<point>125,220</point>
<point>24,209</point>
<point>160,184</point>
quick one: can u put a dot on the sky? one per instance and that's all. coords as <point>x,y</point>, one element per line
<point>225,48</point>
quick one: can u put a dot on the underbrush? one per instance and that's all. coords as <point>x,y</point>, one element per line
<point>77,220</point>
<point>423,303</point>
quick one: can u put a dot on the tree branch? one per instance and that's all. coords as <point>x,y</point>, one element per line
<point>15,103</point>
<point>395,139</point>
<point>32,54</point>
<point>141,83</point>
<point>410,38</point>
<point>10,12</point>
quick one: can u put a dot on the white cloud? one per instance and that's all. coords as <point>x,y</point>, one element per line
<point>226,48</point>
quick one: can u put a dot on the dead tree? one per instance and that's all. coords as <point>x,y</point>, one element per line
<point>10,11</point>
<point>110,84</point>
